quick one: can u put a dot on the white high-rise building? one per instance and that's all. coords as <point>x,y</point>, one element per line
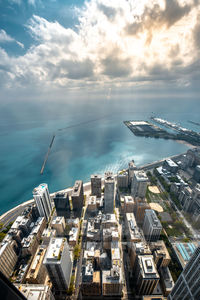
<point>187,287</point>
<point>139,184</point>
<point>43,200</point>
<point>58,263</point>
<point>109,193</point>
<point>152,226</point>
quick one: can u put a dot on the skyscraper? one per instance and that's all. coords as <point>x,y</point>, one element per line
<point>96,185</point>
<point>187,287</point>
<point>139,184</point>
<point>43,200</point>
<point>109,193</point>
<point>78,197</point>
<point>152,226</point>
<point>62,205</point>
<point>58,263</point>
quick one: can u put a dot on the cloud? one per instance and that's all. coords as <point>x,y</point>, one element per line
<point>115,42</point>
<point>4,37</point>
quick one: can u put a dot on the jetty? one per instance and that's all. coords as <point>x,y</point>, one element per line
<point>47,154</point>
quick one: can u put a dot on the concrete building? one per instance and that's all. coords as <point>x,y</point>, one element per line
<point>91,281</point>
<point>185,198</point>
<point>131,169</point>
<point>109,220</point>
<point>152,226</point>
<point>166,280</point>
<point>77,197</point>
<point>112,282</point>
<point>140,208</point>
<point>8,257</point>
<point>35,291</point>
<point>132,231</point>
<point>58,263</point>
<point>187,286</point>
<point>122,180</point>
<point>43,200</point>
<point>92,204</point>
<point>58,223</point>
<point>196,174</point>
<point>62,205</point>
<point>139,184</point>
<point>22,223</point>
<point>170,166</point>
<point>37,273</point>
<point>183,252</point>
<point>73,236</point>
<point>192,158</point>
<point>96,185</point>
<point>47,234</point>
<point>160,254</point>
<point>29,245</point>
<point>135,249</point>
<point>129,204</point>
<point>37,228</point>
<point>109,193</point>
<point>147,276</point>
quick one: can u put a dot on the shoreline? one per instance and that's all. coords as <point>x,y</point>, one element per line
<point>87,184</point>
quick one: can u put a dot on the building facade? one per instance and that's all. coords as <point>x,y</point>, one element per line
<point>152,226</point>
<point>96,185</point>
<point>187,287</point>
<point>77,197</point>
<point>139,184</point>
<point>109,193</point>
<point>58,263</point>
<point>43,200</point>
<point>62,205</point>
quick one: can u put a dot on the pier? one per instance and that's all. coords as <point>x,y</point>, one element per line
<point>47,155</point>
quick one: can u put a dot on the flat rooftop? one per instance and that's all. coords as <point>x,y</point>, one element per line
<point>77,187</point>
<point>54,250</point>
<point>147,267</point>
<point>184,251</point>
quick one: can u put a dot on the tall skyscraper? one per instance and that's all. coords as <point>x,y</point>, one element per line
<point>96,185</point>
<point>139,184</point>
<point>187,287</point>
<point>78,197</point>
<point>131,168</point>
<point>152,226</point>
<point>43,200</point>
<point>62,205</point>
<point>109,193</point>
<point>58,263</point>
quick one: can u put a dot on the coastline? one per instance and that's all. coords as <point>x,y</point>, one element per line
<point>88,184</point>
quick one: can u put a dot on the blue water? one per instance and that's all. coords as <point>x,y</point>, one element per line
<point>26,130</point>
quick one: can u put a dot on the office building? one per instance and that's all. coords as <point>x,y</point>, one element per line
<point>129,204</point>
<point>77,197</point>
<point>139,184</point>
<point>187,286</point>
<point>91,281</point>
<point>152,226</point>
<point>37,272</point>
<point>35,291</point>
<point>135,249</point>
<point>140,208</point>
<point>43,200</point>
<point>109,193</point>
<point>47,234</point>
<point>183,252</point>
<point>196,174</point>
<point>166,280</point>
<point>160,254</point>
<point>29,245</point>
<point>146,275</point>
<point>132,231</point>
<point>122,180</point>
<point>8,257</point>
<point>58,223</point>
<point>170,165</point>
<point>131,169</point>
<point>58,263</point>
<point>96,185</point>
<point>112,282</point>
<point>62,205</point>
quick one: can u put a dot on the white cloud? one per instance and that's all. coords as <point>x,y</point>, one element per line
<point>4,37</point>
<point>121,42</point>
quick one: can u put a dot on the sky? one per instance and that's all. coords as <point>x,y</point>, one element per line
<point>62,48</point>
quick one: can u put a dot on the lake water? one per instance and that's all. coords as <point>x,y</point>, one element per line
<point>102,144</point>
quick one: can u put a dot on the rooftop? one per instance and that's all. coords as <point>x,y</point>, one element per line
<point>147,267</point>
<point>54,250</point>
